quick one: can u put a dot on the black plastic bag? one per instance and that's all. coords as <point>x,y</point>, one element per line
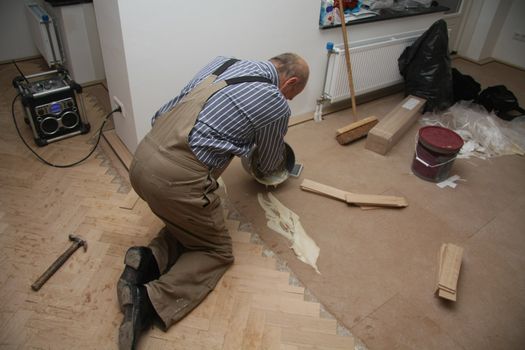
<point>426,67</point>
<point>464,86</point>
<point>502,101</point>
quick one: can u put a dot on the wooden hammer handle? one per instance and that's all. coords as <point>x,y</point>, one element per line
<point>55,266</point>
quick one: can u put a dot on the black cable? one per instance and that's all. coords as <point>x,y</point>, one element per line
<point>118,109</point>
<point>19,71</point>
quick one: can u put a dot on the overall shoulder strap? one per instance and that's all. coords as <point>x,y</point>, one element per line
<point>224,66</point>
<point>247,79</point>
<point>210,88</point>
<point>237,80</point>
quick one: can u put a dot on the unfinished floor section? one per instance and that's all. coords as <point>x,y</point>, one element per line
<point>379,267</point>
<point>258,304</point>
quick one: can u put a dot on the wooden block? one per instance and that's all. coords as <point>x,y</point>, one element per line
<point>356,130</point>
<point>449,265</point>
<point>447,295</point>
<point>382,137</point>
<point>376,200</point>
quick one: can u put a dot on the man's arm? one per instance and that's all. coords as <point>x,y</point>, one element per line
<point>270,146</point>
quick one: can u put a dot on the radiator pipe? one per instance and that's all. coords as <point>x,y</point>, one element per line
<point>318,114</point>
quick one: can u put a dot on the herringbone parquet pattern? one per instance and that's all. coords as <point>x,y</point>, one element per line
<point>254,306</point>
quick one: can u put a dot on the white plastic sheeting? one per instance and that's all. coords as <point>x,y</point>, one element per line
<point>485,134</point>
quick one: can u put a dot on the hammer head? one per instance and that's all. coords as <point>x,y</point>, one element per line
<point>78,240</point>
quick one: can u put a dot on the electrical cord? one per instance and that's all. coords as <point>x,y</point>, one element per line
<point>118,109</point>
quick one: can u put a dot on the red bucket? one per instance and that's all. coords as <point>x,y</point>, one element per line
<point>436,149</point>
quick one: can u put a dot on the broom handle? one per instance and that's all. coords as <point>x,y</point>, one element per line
<point>347,57</point>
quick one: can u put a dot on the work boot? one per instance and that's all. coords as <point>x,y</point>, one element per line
<point>141,268</point>
<point>139,314</point>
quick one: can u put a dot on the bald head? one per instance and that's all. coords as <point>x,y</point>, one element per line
<point>293,73</point>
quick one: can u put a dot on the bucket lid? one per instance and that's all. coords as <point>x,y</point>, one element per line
<point>440,139</point>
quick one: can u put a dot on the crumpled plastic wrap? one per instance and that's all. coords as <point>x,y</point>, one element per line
<point>485,134</point>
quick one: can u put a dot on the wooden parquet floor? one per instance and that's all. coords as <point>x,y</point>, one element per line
<point>256,305</point>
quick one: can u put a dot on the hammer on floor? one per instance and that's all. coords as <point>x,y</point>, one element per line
<point>77,243</point>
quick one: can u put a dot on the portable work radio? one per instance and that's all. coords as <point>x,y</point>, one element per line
<point>53,104</point>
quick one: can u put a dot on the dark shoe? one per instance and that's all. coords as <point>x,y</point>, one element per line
<point>141,268</point>
<point>139,314</point>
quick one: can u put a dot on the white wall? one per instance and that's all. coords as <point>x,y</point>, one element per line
<point>507,49</point>
<point>480,23</point>
<point>15,38</point>
<point>488,32</point>
<point>162,44</point>
<point>115,65</point>
<point>80,41</point>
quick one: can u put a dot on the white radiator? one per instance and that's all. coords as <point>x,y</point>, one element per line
<point>44,34</point>
<point>374,65</point>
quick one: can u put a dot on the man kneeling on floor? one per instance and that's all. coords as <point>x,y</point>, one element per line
<point>229,107</point>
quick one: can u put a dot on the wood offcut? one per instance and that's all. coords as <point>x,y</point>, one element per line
<point>368,200</point>
<point>450,256</point>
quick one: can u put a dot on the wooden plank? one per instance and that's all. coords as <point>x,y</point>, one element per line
<point>316,187</point>
<point>353,198</point>
<point>376,200</point>
<point>356,130</point>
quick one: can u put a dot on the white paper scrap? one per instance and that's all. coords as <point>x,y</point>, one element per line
<point>410,104</point>
<point>450,182</point>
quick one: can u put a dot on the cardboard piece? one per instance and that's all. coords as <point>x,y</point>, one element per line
<point>356,130</point>
<point>449,264</point>
<point>382,137</point>
<point>354,198</point>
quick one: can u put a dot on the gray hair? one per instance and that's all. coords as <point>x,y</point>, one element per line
<point>291,65</point>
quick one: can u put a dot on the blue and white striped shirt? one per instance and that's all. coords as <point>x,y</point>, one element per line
<point>239,116</point>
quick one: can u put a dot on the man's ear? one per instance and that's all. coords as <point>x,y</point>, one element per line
<point>291,81</point>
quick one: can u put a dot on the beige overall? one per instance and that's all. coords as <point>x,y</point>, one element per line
<point>194,250</point>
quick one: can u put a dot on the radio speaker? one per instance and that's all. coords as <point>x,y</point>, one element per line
<point>53,105</point>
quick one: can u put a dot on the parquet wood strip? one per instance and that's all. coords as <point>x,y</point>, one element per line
<point>234,334</point>
<point>301,323</point>
<point>271,339</point>
<point>315,340</point>
<point>254,331</point>
<point>252,307</point>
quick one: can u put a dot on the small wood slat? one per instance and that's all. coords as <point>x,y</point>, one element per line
<point>450,256</point>
<point>354,198</point>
